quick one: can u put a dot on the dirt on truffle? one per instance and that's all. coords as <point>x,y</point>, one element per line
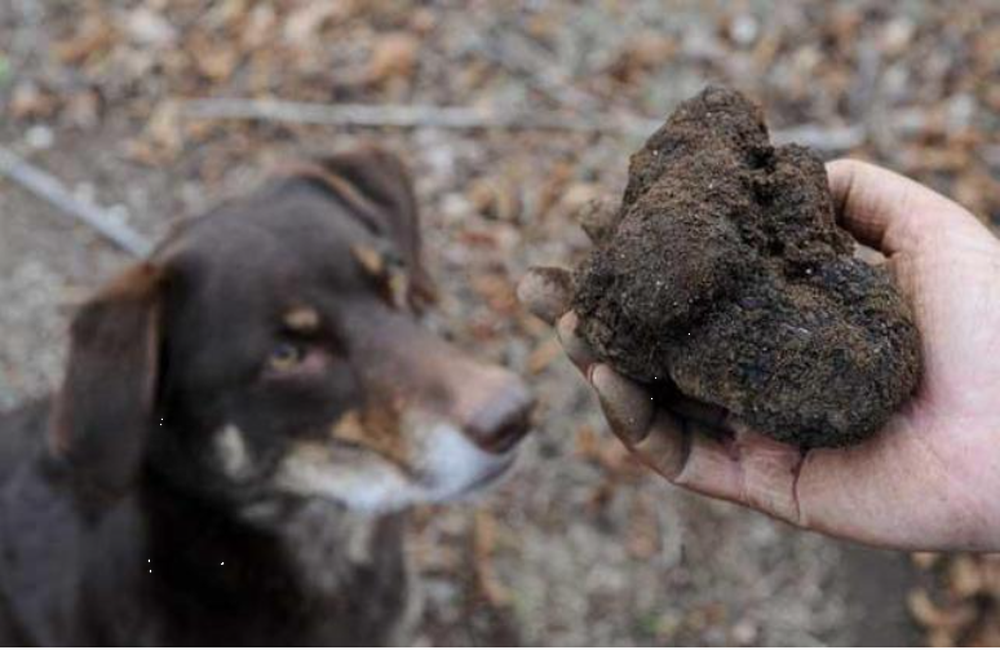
<point>728,276</point>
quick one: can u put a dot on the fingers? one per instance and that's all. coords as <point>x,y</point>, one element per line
<point>631,407</point>
<point>666,447</point>
<point>692,444</point>
<point>750,469</point>
<point>547,292</point>
<point>705,414</point>
<point>627,406</point>
<point>887,211</point>
<point>746,467</point>
<point>574,346</point>
<point>736,465</point>
<point>655,435</point>
<point>688,442</point>
<point>652,427</point>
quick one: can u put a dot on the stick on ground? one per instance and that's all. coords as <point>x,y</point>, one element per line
<point>462,117</point>
<point>49,188</point>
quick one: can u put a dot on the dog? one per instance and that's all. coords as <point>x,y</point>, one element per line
<point>244,419</point>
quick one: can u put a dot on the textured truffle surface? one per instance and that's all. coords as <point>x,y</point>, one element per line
<point>727,275</point>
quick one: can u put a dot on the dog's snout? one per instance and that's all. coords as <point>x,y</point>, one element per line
<point>489,404</point>
<point>501,417</point>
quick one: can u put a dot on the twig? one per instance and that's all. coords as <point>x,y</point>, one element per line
<point>460,117</point>
<point>47,187</point>
<point>392,115</point>
<point>837,138</point>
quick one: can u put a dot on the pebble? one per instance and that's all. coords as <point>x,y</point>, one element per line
<point>39,137</point>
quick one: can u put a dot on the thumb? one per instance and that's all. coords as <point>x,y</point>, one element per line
<point>887,211</point>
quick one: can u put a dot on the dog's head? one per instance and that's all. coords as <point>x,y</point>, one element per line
<point>271,350</point>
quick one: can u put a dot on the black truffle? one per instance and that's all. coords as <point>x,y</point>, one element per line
<point>728,276</point>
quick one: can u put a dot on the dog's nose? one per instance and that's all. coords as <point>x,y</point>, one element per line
<point>503,418</point>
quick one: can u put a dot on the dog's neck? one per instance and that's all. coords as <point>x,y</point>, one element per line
<point>318,563</point>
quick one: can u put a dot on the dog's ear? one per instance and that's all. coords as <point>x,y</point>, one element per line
<point>378,181</point>
<point>104,411</point>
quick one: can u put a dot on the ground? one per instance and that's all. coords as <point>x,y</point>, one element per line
<point>580,546</point>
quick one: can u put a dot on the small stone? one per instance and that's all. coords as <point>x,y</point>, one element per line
<point>744,632</point>
<point>743,29</point>
<point>39,137</point>
<point>148,27</point>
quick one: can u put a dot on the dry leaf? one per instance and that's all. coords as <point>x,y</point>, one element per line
<point>393,56</point>
<point>216,62</point>
<point>964,577</point>
<point>544,355</point>
<point>643,535</point>
<point>924,560</point>
<point>31,102</point>
<point>495,199</point>
<point>930,615</point>
<point>83,109</point>
<point>484,543</point>
<point>94,37</point>
<point>306,22</point>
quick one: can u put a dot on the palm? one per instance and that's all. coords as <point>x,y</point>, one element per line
<point>931,474</point>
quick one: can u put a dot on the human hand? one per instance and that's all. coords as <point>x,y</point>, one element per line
<point>930,480</point>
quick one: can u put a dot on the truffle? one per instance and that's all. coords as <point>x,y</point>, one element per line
<point>727,275</point>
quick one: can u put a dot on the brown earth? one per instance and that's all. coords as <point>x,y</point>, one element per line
<point>727,277</point>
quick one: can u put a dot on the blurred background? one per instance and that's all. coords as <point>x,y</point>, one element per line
<point>511,115</point>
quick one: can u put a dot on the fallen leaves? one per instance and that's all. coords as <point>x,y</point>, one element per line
<point>123,68</point>
<point>214,60</point>
<point>305,23</point>
<point>944,624</point>
<point>484,542</point>
<point>30,101</point>
<point>544,355</point>
<point>496,198</point>
<point>394,56</point>
<point>93,39</point>
<point>961,606</point>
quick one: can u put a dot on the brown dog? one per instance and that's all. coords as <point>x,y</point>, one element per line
<point>242,417</point>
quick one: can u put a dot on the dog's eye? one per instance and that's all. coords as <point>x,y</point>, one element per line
<point>285,356</point>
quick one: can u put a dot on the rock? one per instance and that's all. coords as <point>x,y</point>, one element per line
<point>148,27</point>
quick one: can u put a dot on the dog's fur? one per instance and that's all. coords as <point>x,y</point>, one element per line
<point>243,418</point>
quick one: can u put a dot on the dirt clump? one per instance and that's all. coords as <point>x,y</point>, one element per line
<point>727,275</point>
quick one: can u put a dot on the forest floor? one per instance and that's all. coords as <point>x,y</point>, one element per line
<point>580,546</point>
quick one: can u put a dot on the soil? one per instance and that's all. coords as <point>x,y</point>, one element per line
<point>728,276</point>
